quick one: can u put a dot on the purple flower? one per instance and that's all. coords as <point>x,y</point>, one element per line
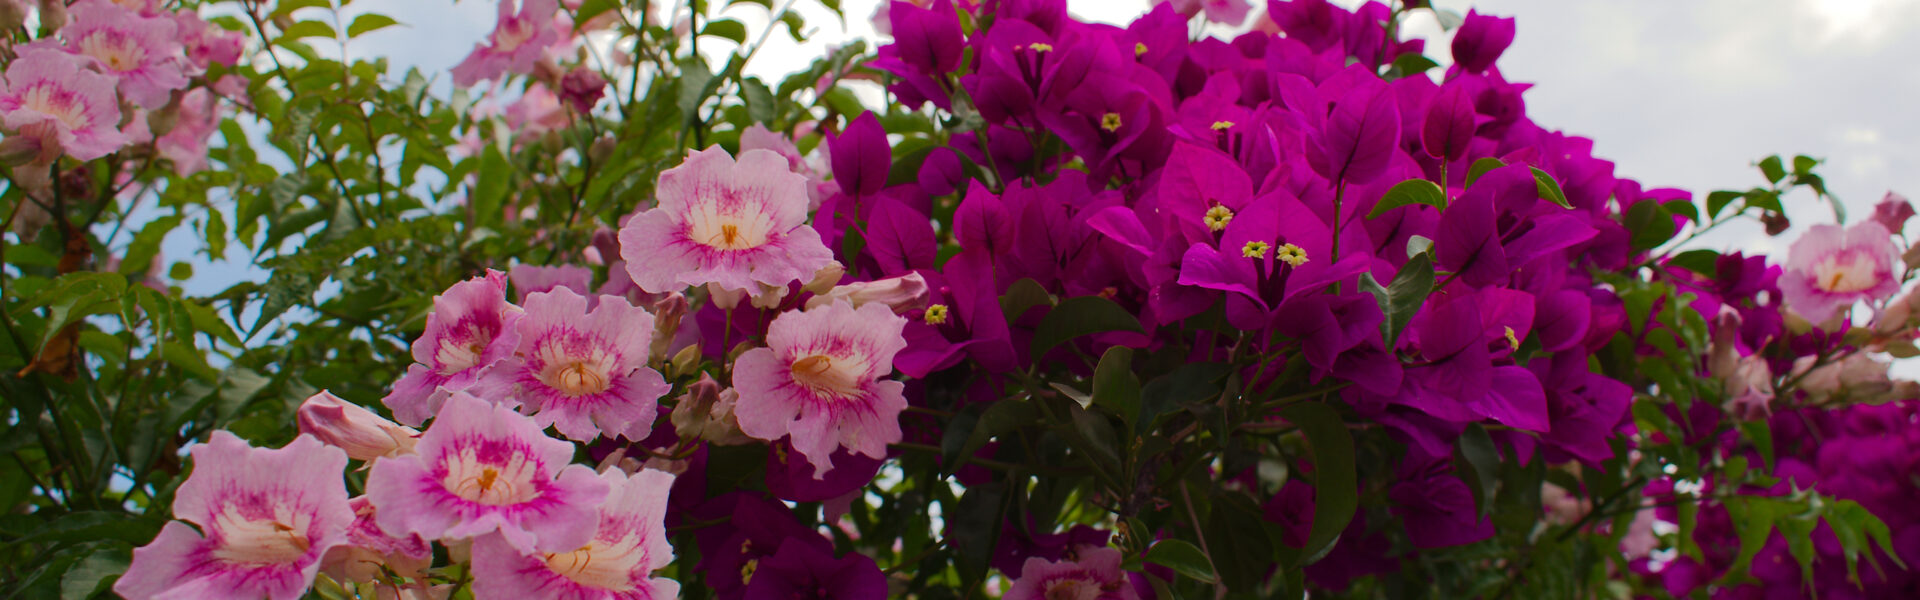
<point>266,517</point>
<point>1436,506</point>
<point>819,382</point>
<point>483,468</point>
<point>1829,268</point>
<point>584,372</point>
<point>629,543</point>
<point>747,530</point>
<point>738,225</point>
<point>1892,212</point>
<point>805,571</point>
<point>1480,41</point>
<point>469,331</point>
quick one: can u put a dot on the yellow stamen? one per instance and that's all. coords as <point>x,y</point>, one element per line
<point>1110,122</point>
<point>1139,48</point>
<point>1040,47</point>
<point>1222,125</point>
<point>936,314</point>
<point>1291,254</point>
<point>1254,250</point>
<point>1217,218</point>
<point>1512,340</point>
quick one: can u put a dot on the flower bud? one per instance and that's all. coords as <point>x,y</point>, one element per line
<point>769,296</point>
<point>824,279</point>
<point>53,15</point>
<point>667,313</point>
<point>724,298</point>
<point>1776,223</point>
<point>1892,212</point>
<point>347,426</point>
<point>706,412</point>
<point>13,14</point>
<point>903,294</point>
<point>582,88</point>
<point>601,149</point>
<point>19,149</point>
<point>1899,314</point>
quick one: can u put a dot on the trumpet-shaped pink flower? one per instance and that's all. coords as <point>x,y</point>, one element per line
<point>347,426</point>
<point>369,550</point>
<point>48,96</point>
<point>818,381</point>
<point>483,468</point>
<point>266,517</point>
<point>585,372</point>
<point>205,43</point>
<point>186,144</point>
<point>516,43</point>
<point>1096,575</point>
<point>617,564</point>
<point>739,225</point>
<point>1830,268</point>
<point>142,54</point>
<point>469,331</point>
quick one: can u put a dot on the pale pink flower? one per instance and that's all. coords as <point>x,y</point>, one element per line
<point>207,44</point>
<point>819,382</point>
<point>1096,575</point>
<point>48,96</point>
<point>531,279</point>
<point>758,137</point>
<point>266,517</point>
<point>469,331</point>
<point>141,53</point>
<point>737,225</point>
<point>369,550</point>
<point>584,372</point>
<point>629,543</point>
<point>1829,268</point>
<point>535,113</point>
<point>705,412</point>
<point>1640,540</point>
<point>1226,12</point>
<point>483,468</point>
<point>517,41</point>
<point>903,294</point>
<point>347,426</point>
<point>186,144</point>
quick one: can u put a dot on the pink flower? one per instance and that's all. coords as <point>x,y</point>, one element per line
<point>1228,12</point>
<point>1828,269</point>
<point>207,44</point>
<point>1095,576</point>
<point>516,42</point>
<point>141,53</point>
<point>369,550</point>
<point>536,112</point>
<point>530,279</point>
<point>265,517</point>
<point>903,294</point>
<point>629,543</point>
<point>347,426</point>
<point>740,225</point>
<point>48,96</point>
<point>582,88</point>
<point>469,330</point>
<point>584,372</point>
<point>758,137</point>
<point>186,143</point>
<point>818,381</point>
<point>483,468</point>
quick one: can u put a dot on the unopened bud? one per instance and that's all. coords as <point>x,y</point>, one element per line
<point>903,294</point>
<point>769,296</point>
<point>1776,223</point>
<point>161,122</point>
<point>13,14</point>
<point>283,21</point>
<point>20,149</point>
<point>601,149</point>
<point>1892,212</point>
<point>53,15</point>
<point>347,426</point>
<point>667,313</point>
<point>724,298</point>
<point>824,279</point>
<point>706,412</point>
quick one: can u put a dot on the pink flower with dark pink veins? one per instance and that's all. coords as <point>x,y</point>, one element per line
<point>584,372</point>
<point>265,519</point>
<point>819,382</point>
<point>629,543</point>
<point>739,225</point>
<point>48,96</point>
<point>469,331</point>
<point>368,550</point>
<point>143,54</point>
<point>516,43</point>
<point>207,44</point>
<point>484,468</point>
<point>1829,268</point>
<point>1096,575</point>
<point>186,144</point>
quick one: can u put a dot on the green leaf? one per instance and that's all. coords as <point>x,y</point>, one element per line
<point>1480,167</point>
<point>1683,208</point>
<point>1075,317</point>
<point>1449,20</point>
<point>1004,416</point>
<point>1411,191</point>
<point>369,22</point>
<point>1803,165</point>
<point>1335,485</point>
<point>1116,387</point>
<point>307,29</point>
<point>1402,298</point>
<point>593,8</point>
<point>1719,200</point>
<point>1550,189</point>
<point>1418,244</point>
<point>1413,63</point>
<point>1022,295</point>
<point>285,7</point>
<point>1183,558</point>
<point>759,99</point>
<point>726,28</point>
<point>1189,383</point>
<point>1650,223</point>
<point>1483,461</point>
<point>1770,166</point>
<point>1704,262</point>
<point>694,77</point>
<point>768,4</point>
<point>96,572</point>
<point>491,189</point>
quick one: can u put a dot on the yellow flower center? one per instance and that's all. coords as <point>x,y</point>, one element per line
<point>1139,48</point>
<point>1291,254</point>
<point>1217,218</point>
<point>829,376</point>
<point>118,52</point>
<point>728,231</point>
<point>1222,125</point>
<point>1040,47</point>
<point>747,569</point>
<point>490,484</point>
<point>455,357</point>
<point>512,34</point>
<point>1845,272</point>
<point>936,314</point>
<point>601,564</point>
<point>1254,250</point>
<point>1110,122</point>
<point>279,539</point>
<point>1071,589</point>
<point>572,372</point>
<point>1512,340</point>
<point>47,99</point>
